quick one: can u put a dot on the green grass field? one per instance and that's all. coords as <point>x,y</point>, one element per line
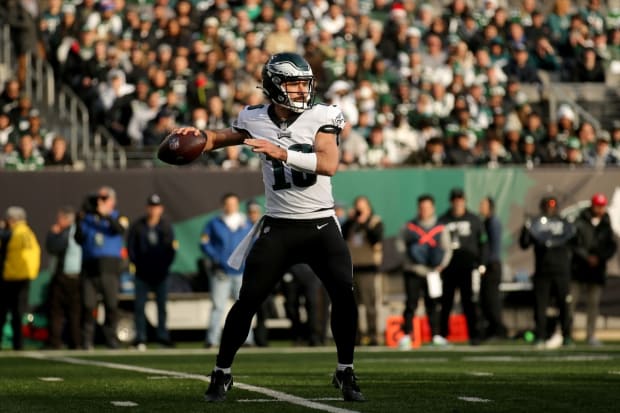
<point>501,378</point>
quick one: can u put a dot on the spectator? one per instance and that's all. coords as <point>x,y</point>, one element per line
<point>64,289</point>
<point>595,245</point>
<point>280,39</point>
<point>151,246</point>
<point>532,154</point>
<point>544,56</point>
<point>520,67</point>
<point>142,113</point>
<point>363,231</point>
<point>6,133</point>
<point>461,153</point>
<point>158,128</point>
<point>495,154</point>
<point>100,231</point>
<point>353,147</point>
<point>219,238</point>
<point>425,246</point>
<point>10,96</point>
<point>58,155</point>
<point>468,243</point>
<point>558,22</point>
<point>573,155</point>
<point>381,153</point>
<point>491,277</point>
<point>21,259</point>
<point>26,157</point>
<point>434,154</point>
<point>589,67</point>
<point>601,155</point>
<point>21,18</point>
<point>552,238</point>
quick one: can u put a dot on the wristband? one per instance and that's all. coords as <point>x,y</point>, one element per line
<point>305,162</point>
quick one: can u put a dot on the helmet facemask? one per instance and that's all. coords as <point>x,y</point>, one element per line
<point>293,101</point>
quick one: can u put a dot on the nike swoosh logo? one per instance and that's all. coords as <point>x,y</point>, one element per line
<point>226,386</point>
<point>319,227</point>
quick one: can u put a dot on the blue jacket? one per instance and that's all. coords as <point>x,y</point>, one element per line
<point>100,236</point>
<point>218,242</point>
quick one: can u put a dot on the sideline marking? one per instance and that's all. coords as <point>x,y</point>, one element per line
<point>124,404</point>
<point>330,399</point>
<point>473,399</point>
<point>289,398</point>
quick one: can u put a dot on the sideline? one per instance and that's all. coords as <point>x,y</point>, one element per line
<point>289,398</point>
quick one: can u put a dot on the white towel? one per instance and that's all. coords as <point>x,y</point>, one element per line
<point>241,252</point>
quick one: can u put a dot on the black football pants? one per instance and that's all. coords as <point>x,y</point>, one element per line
<point>281,244</point>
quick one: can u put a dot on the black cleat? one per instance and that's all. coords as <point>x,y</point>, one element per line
<point>219,386</point>
<point>345,380</point>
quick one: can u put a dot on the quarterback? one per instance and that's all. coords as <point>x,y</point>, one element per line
<point>298,144</point>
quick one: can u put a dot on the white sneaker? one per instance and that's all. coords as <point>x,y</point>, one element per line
<point>439,340</point>
<point>404,343</point>
<point>554,342</point>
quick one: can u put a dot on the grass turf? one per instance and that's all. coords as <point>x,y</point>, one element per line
<point>496,378</point>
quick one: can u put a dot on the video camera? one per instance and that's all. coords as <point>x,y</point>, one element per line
<point>89,205</point>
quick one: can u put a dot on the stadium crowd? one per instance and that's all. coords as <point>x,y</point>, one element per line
<point>420,83</point>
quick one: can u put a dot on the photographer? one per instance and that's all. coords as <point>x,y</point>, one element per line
<point>363,232</point>
<point>100,233</point>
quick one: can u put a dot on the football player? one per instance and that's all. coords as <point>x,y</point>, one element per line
<point>297,142</point>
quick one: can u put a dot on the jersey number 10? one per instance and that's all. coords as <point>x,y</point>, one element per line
<point>300,179</point>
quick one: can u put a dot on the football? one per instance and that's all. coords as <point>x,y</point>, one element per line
<point>181,148</point>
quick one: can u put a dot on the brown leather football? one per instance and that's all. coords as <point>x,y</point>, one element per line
<point>181,148</point>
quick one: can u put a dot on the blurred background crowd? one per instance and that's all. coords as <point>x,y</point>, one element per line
<point>428,83</point>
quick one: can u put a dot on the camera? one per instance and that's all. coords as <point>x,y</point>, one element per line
<point>89,205</point>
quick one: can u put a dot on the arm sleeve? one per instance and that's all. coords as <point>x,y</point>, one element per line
<point>446,244</point>
<point>207,246</point>
<point>374,231</point>
<point>525,239</point>
<point>56,244</point>
<point>115,225</point>
<point>131,242</point>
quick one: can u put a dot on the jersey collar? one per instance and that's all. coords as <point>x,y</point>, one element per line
<point>282,124</point>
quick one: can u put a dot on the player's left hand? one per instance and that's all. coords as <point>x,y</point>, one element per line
<point>266,147</point>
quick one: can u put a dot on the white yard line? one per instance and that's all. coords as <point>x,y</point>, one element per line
<point>473,399</point>
<point>289,398</point>
<point>51,379</point>
<point>123,404</point>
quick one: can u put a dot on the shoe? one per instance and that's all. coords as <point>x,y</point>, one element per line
<point>554,342</point>
<point>594,342</point>
<point>439,340</point>
<point>346,381</point>
<point>166,343</point>
<point>219,386</point>
<point>404,343</point>
<point>567,342</point>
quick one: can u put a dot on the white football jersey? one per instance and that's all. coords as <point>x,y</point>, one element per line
<point>291,193</point>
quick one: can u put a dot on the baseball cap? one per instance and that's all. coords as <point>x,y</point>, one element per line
<point>153,200</point>
<point>456,193</point>
<point>599,199</point>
